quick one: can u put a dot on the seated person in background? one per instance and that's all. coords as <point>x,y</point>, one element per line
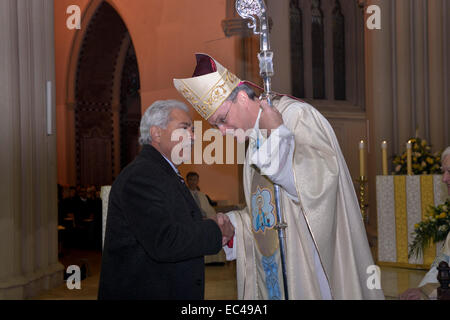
<point>71,200</point>
<point>96,207</point>
<point>83,208</point>
<point>63,195</point>
<point>429,284</point>
<point>192,180</point>
<point>95,201</point>
<point>66,207</point>
<point>211,202</point>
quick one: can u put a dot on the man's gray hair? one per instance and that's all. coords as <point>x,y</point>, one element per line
<point>158,115</point>
<point>243,87</point>
<point>445,153</point>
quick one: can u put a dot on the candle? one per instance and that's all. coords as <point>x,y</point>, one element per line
<point>361,158</point>
<point>384,157</point>
<point>409,157</point>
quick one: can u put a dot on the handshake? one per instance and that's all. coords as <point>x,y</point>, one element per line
<point>225,226</point>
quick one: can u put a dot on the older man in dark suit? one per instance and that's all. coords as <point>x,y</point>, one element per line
<point>155,237</point>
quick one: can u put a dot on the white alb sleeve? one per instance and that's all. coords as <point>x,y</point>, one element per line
<point>274,159</point>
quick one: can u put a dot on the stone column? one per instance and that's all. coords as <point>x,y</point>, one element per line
<point>28,197</point>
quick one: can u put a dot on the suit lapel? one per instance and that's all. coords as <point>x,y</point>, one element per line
<point>151,153</point>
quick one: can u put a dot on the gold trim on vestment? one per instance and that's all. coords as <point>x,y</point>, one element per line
<point>206,104</point>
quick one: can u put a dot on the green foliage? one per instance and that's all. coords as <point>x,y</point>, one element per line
<point>432,229</point>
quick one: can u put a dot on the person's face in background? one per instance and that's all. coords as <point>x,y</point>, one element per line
<point>91,193</point>
<point>66,193</point>
<point>82,193</point>
<point>192,182</point>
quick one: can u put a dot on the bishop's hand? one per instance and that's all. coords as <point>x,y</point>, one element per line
<point>270,117</point>
<point>225,226</point>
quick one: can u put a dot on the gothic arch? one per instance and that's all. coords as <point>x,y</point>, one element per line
<point>70,88</point>
<point>75,50</point>
<point>95,99</point>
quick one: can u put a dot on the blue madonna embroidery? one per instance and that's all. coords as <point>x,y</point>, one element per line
<point>270,267</point>
<point>262,210</point>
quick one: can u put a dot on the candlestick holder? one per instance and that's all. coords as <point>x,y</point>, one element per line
<point>362,197</point>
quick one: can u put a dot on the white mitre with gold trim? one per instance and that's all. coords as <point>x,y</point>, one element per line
<point>209,87</point>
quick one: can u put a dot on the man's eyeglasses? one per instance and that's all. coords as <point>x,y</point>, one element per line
<point>223,119</point>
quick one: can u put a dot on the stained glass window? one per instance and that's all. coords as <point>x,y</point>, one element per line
<point>317,42</point>
<point>325,35</point>
<point>339,52</point>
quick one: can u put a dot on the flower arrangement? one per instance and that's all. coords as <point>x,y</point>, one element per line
<point>422,160</point>
<point>433,228</point>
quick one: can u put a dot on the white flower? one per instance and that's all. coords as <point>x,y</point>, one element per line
<point>445,208</point>
<point>443,228</point>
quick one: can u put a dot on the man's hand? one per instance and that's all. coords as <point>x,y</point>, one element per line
<point>270,117</point>
<point>225,226</point>
<point>411,294</point>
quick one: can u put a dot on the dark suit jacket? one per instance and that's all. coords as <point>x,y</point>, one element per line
<point>155,237</point>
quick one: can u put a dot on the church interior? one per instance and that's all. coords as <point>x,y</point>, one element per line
<point>77,76</point>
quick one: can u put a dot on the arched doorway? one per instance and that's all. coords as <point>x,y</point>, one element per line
<point>107,99</point>
<point>130,111</point>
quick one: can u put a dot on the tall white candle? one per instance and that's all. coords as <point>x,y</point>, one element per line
<point>384,157</point>
<point>409,158</point>
<point>361,158</point>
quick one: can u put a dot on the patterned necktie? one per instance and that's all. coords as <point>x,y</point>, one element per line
<point>181,178</point>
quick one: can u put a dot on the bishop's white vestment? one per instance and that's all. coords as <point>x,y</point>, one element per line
<point>429,283</point>
<point>327,252</point>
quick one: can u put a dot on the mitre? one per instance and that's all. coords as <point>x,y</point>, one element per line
<point>209,87</point>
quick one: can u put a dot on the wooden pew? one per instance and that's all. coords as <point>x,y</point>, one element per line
<point>443,292</point>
